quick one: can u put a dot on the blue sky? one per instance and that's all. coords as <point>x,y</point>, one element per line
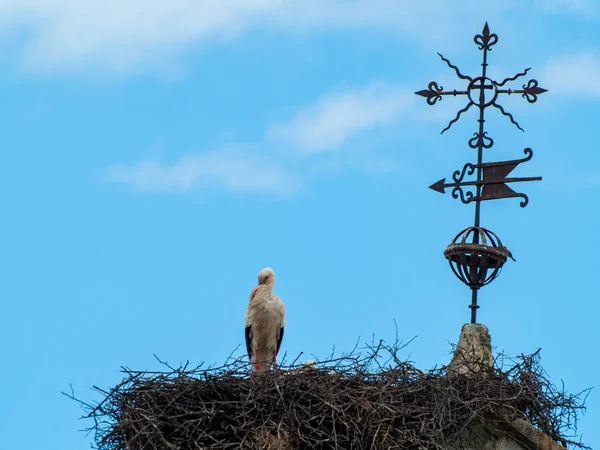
<point>157,155</point>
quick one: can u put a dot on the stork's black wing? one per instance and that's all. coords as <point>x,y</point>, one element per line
<point>249,341</point>
<point>279,340</point>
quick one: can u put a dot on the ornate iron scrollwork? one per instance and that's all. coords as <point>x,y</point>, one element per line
<point>477,264</point>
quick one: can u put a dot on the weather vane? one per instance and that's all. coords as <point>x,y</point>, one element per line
<point>476,255</point>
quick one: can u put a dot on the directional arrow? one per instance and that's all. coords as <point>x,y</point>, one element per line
<point>493,182</point>
<point>440,186</point>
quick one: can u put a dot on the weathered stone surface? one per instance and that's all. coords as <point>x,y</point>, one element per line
<point>515,435</point>
<point>473,351</point>
<point>530,438</point>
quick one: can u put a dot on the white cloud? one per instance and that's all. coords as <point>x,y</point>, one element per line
<point>339,116</point>
<point>573,74</point>
<point>232,170</point>
<point>123,36</point>
<point>120,35</point>
<point>289,152</point>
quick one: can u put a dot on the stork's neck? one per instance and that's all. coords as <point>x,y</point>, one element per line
<point>267,286</point>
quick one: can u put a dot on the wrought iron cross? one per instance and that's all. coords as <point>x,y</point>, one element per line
<point>476,255</point>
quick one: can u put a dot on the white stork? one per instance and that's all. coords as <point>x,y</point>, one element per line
<point>265,320</point>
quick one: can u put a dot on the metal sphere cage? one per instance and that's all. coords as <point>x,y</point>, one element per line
<point>476,256</point>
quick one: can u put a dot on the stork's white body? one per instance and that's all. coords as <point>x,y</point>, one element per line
<point>265,322</point>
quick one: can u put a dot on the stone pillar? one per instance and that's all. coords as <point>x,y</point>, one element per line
<point>473,351</point>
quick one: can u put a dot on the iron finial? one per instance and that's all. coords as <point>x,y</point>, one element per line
<point>476,255</point>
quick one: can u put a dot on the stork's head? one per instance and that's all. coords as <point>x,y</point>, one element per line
<point>266,276</point>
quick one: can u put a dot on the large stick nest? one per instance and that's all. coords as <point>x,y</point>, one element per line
<point>366,399</point>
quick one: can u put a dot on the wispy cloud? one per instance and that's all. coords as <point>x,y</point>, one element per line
<point>290,152</point>
<point>232,170</point>
<point>134,35</point>
<point>573,74</point>
<point>339,116</point>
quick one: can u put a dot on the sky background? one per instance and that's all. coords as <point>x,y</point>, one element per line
<point>156,155</point>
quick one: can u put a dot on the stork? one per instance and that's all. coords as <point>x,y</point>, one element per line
<point>265,320</point>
